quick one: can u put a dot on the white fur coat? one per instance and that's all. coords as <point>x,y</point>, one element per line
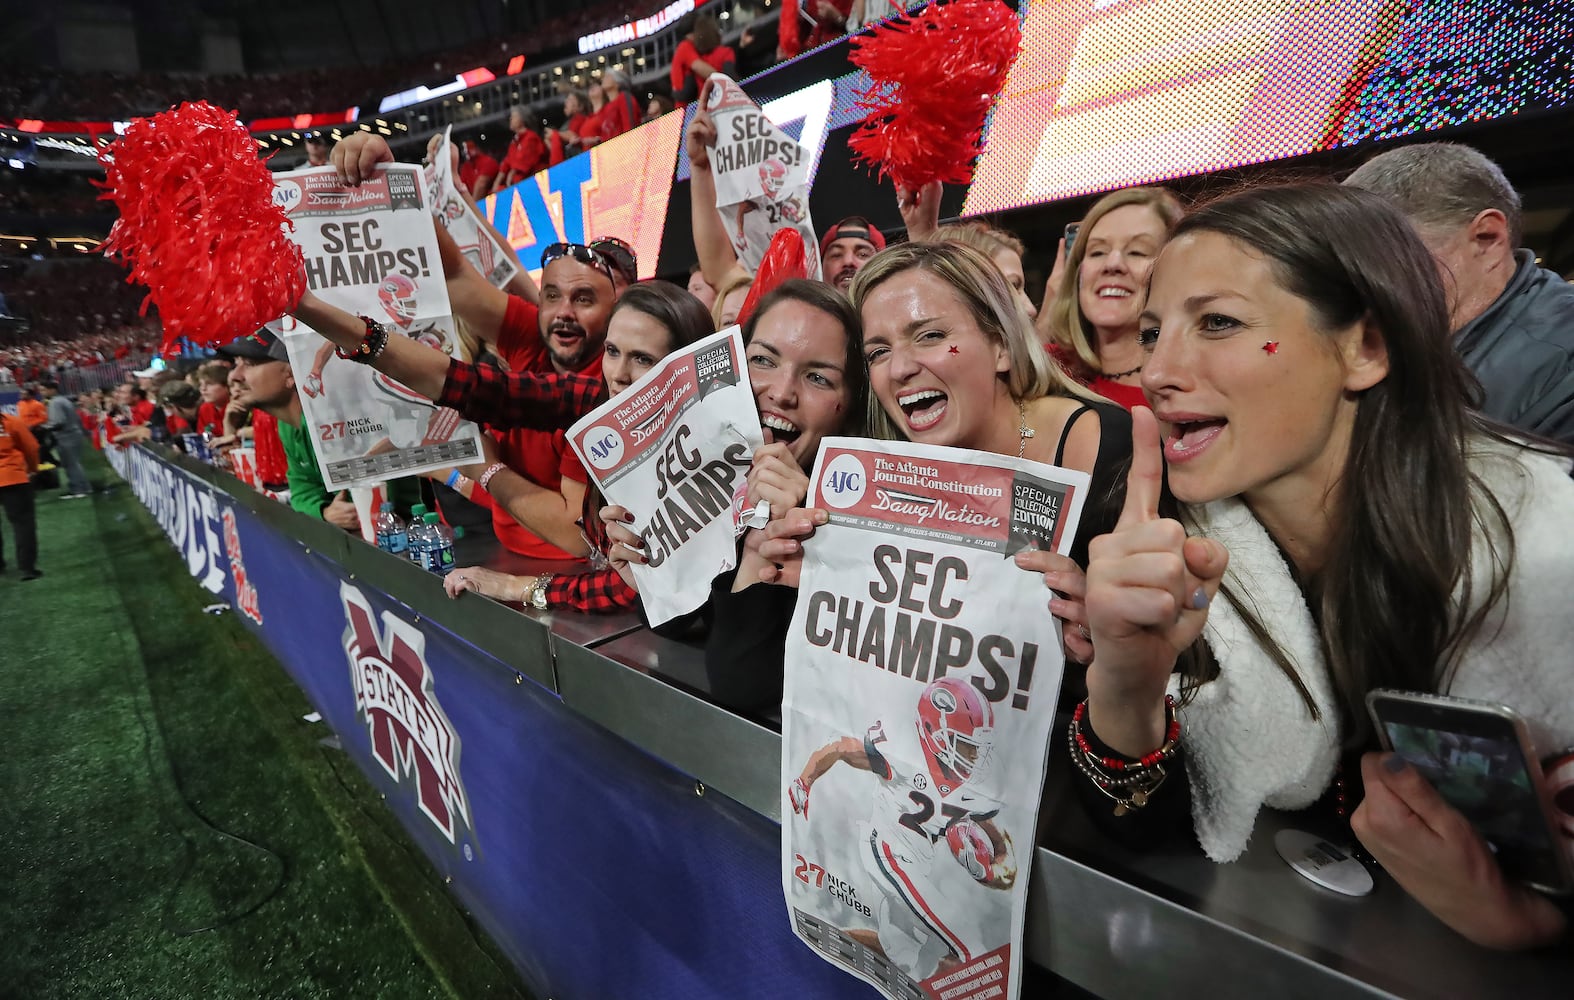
<point>1250,740</point>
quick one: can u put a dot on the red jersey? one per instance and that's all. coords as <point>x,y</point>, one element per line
<point>543,457</point>
<point>176,424</point>
<point>478,166</point>
<point>527,153</point>
<point>142,412</point>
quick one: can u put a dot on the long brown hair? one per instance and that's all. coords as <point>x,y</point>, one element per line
<point>1393,600</point>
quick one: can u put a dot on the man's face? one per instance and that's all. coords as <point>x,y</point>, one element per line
<point>262,383</point>
<point>515,122</point>
<point>317,153</point>
<point>1460,266</point>
<point>844,258</point>
<point>576,300</point>
<point>145,384</point>
<point>122,395</point>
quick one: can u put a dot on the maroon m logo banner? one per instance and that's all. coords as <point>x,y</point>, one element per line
<point>411,737</point>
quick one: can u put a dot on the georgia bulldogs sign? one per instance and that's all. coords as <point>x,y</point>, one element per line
<point>411,736</point>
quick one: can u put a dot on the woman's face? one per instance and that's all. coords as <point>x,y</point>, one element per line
<point>732,305</point>
<point>1114,271</point>
<point>935,373</point>
<point>635,343</point>
<point>1010,264</point>
<point>1252,397</point>
<point>797,366</point>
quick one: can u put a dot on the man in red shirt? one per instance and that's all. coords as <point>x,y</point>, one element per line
<point>538,498</point>
<point>828,22</point>
<point>527,153</point>
<point>477,171</point>
<point>699,55</point>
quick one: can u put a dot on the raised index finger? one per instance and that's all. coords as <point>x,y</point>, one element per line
<point>1146,478</point>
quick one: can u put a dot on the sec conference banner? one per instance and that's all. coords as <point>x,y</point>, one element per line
<point>558,836</point>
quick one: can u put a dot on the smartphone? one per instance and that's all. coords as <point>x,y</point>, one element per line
<point>1479,758</point>
<point>1071,237</point>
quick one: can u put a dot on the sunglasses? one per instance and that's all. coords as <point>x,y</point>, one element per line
<point>588,256</point>
<point>620,254</point>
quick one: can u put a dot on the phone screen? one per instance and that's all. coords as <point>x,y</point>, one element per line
<point>1474,760</point>
<point>1071,236</point>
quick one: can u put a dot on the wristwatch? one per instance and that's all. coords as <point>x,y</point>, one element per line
<point>536,593</point>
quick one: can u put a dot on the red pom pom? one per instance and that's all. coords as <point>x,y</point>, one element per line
<point>936,74</point>
<point>784,259</point>
<point>198,225</point>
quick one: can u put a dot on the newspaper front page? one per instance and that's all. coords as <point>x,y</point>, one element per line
<point>673,449</point>
<point>762,177</point>
<point>371,250</point>
<point>922,670</point>
<point>495,261</point>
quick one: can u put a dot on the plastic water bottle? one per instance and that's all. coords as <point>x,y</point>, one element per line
<point>440,545</point>
<point>416,533</point>
<point>391,535</point>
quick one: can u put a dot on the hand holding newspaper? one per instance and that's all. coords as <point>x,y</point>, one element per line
<point>496,261</point>
<point>762,176</point>
<point>372,251</point>
<point>673,449</point>
<point>922,658</point>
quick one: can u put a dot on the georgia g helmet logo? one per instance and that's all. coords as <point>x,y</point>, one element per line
<point>956,726</point>
<point>773,176</point>
<point>397,294</point>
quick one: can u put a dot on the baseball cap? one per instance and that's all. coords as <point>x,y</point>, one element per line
<point>151,370</point>
<point>854,227</point>
<point>260,346</point>
<point>180,394</point>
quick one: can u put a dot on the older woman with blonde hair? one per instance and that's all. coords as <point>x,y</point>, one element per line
<point>1092,321</point>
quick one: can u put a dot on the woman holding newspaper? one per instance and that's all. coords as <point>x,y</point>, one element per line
<point>952,361</point>
<point>1345,523</point>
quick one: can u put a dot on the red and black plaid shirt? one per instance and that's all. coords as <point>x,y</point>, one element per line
<point>489,395</point>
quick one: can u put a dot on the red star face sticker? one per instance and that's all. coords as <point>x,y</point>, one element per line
<point>953,349</point>
<point>1271,347</point>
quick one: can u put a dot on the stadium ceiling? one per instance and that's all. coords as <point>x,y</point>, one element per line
<point>177,35</point>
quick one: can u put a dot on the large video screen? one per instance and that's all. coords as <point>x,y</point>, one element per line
<point>1110,93</point>
<point>619,188</point>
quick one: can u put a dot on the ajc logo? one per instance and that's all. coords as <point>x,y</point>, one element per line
<point>286,195</point>
<point>604,446</point>
<point>843,482</point>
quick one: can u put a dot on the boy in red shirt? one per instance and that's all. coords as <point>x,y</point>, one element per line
<point>477,171</point>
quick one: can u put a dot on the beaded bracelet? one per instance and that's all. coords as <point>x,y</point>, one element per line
<point>486,477</point>
<point>1128,783</point>
<point>373,341</point>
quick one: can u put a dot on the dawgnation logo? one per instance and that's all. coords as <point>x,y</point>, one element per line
<point>393,693</point>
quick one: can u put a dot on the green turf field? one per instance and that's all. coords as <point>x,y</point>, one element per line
<point>146,744</point>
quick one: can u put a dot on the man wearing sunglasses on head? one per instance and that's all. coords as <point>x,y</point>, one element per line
<point>561,328</point>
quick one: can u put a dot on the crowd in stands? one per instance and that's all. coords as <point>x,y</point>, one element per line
<point>55,96</point>
<point>50,193</point>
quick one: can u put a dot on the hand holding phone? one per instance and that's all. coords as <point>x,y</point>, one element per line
<point>1479,759</point>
